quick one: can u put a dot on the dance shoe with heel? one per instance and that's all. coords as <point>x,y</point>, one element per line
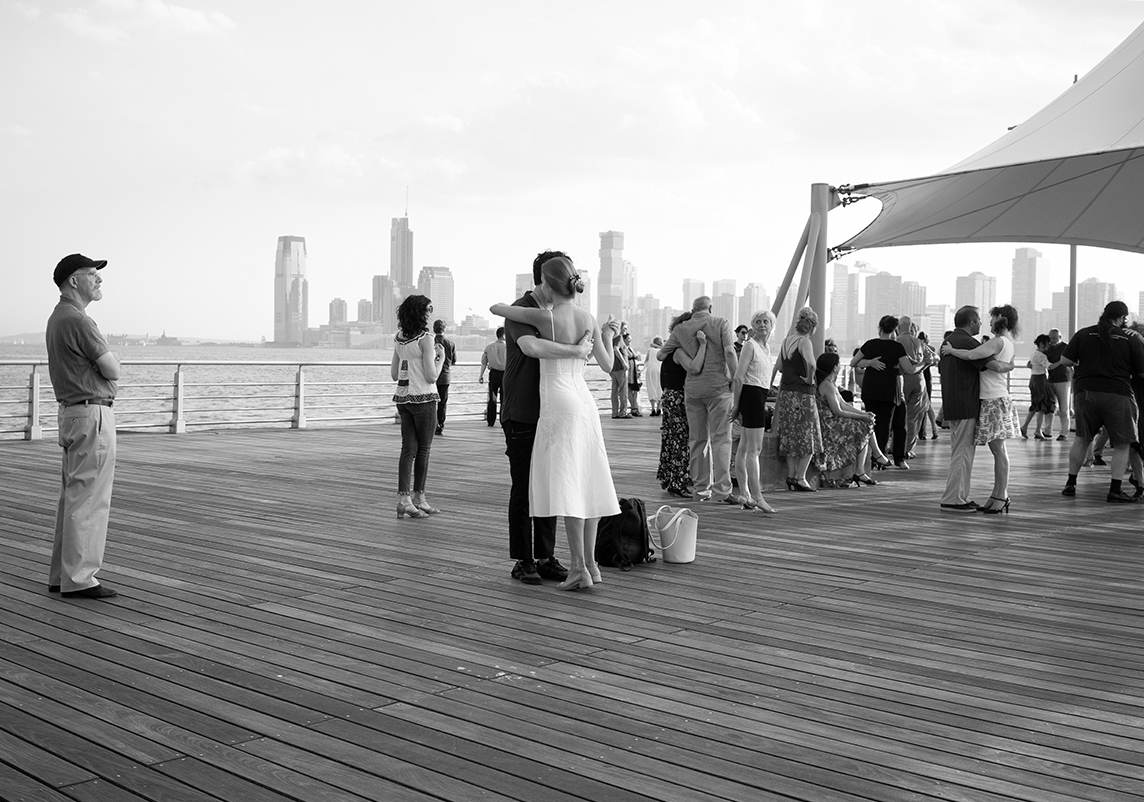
<point>405,507</point>
<point>425,506</point>
<point>880,464</point>
<point>577,580</point>
<point>594,573</point>
<point>993,509</point>
<point>862,479</point>
<point>758,504</point>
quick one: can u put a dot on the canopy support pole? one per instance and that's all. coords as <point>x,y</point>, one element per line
<point>822,200</point>
<point>780,294</point>
<point>1072,292</point>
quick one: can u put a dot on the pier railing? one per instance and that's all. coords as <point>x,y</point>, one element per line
<point>234,393</point>
<point>173,396</point>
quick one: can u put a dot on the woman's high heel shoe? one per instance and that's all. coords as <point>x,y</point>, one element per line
<point>425,506</point>
<point>405,507</point>
<point>594,573</point>
<point>880,464</point>
<point>790,483</point>
<point>862,479</point>
<point>991,509</point>
<point>759,504</point>
<point>801,486</point>
<point>577,581</point>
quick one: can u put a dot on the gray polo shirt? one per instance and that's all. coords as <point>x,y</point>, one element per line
<point>74,345</point>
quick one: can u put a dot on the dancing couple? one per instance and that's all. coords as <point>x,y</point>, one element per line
<point>569,472</point>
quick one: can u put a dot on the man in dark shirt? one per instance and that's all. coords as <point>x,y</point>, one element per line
<point>1106,356</point>
<point>961,403</point>
<point>443,378</point>
<point>84,373</point>
<point>1059,381</point>
<point>531,541</point>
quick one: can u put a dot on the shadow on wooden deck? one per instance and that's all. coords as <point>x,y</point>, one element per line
<point>280,635</point>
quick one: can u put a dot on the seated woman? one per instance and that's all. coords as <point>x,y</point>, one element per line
<point>846,429</point>
<point>570,474</point>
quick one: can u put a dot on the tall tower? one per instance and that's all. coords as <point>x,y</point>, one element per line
<point>883,296</point>
<point>976,289</point>
<point>611,280</point>
<point>338,311</point>
<point>386,298</point>
<point>401,254</point>
<point>844,307</point>
<point>692,288</point>
<point>753,299</point>
<point>913,301</point>
<point>291,291</point>
<point>365,311</point>
<point>1031,292</point>
<point>1092,295</point>
<point>437,284</point>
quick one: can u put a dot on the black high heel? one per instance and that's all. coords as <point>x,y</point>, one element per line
<point>989,509</point>
<point>880,465</point>
<point>672,491</point>
<point>863,480</point>
<point>790,483</point>
<point>800,487</point>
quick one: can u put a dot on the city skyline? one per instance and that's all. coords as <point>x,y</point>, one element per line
<point>137,127</point>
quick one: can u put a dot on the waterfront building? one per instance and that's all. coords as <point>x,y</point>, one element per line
<point>1140,307</point>
<point>976,289</point>
<point>339,311</point>
<point>1031,292</point>
<point>291,291</point>
<point>523,285</point>
<point>692,289</point>
<point>401,254</point>
<point>883,296</point>
<point>386,298</point>
<point>1091,297</point>
<point>437,284</point>
<point>844,295</point>
<point>612,277</point>
<point>938,320</point>
<point>753,299</point>
<point>365,311</point>
<point>725,306</point>
<point>913,300</point>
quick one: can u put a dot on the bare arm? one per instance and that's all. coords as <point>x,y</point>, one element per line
<point>693,365</point>
<point>533,346</point>
<point>984,351</point>
<point>907,367</point>
<point>394,366</point>
<point>528,315</point>
<point>108,366</point>
<point>601,343</point>
<point>432,358</point>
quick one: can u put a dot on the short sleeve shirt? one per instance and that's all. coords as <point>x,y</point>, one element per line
<point>74,345</point>
<point>1060,373</point>
<point>712,380</point>
<point>882,385</point>
<point>1105,366</point>
<point>521,385</point>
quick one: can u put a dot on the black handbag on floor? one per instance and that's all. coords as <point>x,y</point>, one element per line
<point>624,540</point>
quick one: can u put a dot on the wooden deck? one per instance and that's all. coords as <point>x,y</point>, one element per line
<point>280,635</point>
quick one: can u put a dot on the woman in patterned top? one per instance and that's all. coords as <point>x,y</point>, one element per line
<point>416,363</point>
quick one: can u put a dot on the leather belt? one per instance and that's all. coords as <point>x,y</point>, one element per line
<point>98,402</point>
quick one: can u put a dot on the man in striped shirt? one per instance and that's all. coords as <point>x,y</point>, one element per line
<point>961,402</point>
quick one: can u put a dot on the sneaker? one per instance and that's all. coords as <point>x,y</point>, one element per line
<point>1120,498</point>
<point>552,569</point>
<point>1070,490</point>
<point>525,571</point>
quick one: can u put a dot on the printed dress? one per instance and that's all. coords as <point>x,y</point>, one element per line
<point>841,438</point>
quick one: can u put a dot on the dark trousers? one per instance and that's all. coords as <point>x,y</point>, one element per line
<point>495,379</point>
<point>443,392</point>
<point>528,538</point>
<point>890,418</point>
<point>416,440</point>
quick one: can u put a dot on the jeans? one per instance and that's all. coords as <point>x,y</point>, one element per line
<point>496,377</point>
<point>528,538</point>
<point>619,392</point>
<point>443,392</point>
<point>417,425</point>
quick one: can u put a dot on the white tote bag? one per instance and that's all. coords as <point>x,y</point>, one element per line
<point>677,531</point>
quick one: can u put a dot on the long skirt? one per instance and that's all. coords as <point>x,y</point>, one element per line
<point>796,418</point>
<point>674,456</point>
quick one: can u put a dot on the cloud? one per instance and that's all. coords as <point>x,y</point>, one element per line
<point>31,12</point>
<point>115,20</point>
<point>80,23</point>
<point>18,131</point>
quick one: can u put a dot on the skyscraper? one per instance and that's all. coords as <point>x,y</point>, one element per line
<point>437,284</point>
<point>883,296</point>
<point>339,311</point>
<point>913,300</point>
<point>976,289</point>
<point>753,299</point>
<point>386,299</point>
<point>523,284</point>
<point>1031,292</point>
<point>1091,297</point>
<point>365,311</point>
<point>612,276</point>
<point>401,254</point>
<point>725,306</point>
<point>291,291</point>
<point>844,308</point>
<point>692,289</point>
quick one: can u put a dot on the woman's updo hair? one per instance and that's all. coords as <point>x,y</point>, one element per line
<point>561,277</point>
<point>824,367</point>
<point>887,324</point>
<point>675,321</point>
<point>1006,319</point>
<point>806,321</point>
<point>1041,339</point>
<point>413,315</point>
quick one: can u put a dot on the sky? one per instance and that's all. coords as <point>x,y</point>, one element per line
<point>179,141</point>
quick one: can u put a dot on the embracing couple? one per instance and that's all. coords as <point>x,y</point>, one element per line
<point>554,443</point>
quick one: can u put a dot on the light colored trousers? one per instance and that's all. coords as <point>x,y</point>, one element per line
<point>1063,392</point>
<point>709,420</point>
<point>87,436</point>
<point>962,452</point>
<point>917,402</point>
<point>619,392</point>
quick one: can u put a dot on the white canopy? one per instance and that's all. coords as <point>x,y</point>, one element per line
<point>1072,174</point>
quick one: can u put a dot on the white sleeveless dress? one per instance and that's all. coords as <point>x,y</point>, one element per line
<point>570,474</point>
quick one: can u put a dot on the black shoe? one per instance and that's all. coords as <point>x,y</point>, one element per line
<point>1098,460</point>
<point>440,430</point>
<point>552,569</point>
<point>1061,438</point>
<point>684,493</point>
<point>1070,490</point>
<point>1120,497</point>
<point>53,588</point>
<point>525,571</point>
<point>97,592</point>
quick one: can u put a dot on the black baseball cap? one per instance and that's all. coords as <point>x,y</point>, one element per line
<point>73,262</point>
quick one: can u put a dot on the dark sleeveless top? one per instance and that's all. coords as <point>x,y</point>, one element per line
<point>794,371</point>
<point>672,374</point>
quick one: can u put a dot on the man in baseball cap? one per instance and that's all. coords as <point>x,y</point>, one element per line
<point>84,373</point>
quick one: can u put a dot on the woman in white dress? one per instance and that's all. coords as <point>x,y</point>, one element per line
<point>570,474</point>
<point>654,386</point>
<point>997,420</point>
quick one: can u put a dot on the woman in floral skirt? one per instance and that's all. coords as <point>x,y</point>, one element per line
<point>674,472</point>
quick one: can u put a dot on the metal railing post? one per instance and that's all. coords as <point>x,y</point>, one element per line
<point>299,420</point>
<point>178,423</point>
<point>34,431</point>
